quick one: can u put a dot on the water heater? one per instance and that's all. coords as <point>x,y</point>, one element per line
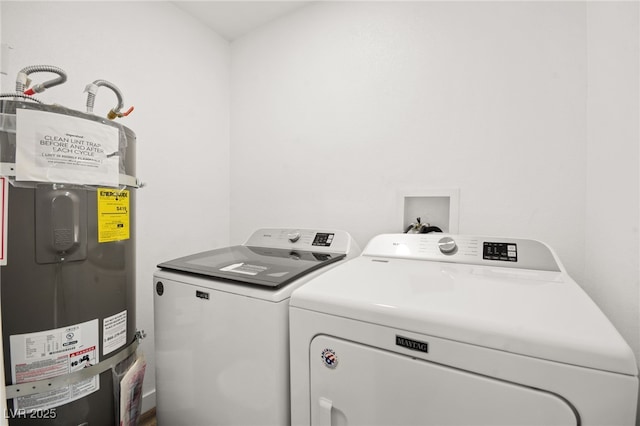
<point>68,279</point>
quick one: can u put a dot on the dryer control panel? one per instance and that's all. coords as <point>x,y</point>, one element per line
<point>474,250</point>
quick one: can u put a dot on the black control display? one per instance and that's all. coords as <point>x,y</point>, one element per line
<point>322,240</point>
<point>507,252</point>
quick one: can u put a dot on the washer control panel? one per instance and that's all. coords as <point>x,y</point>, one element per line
<point>475,250</point>
<point>334,241</point>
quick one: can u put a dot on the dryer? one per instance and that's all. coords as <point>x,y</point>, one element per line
<point>222,326</point>
<point>436,329</point>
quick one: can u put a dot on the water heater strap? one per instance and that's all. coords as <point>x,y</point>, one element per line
<point>9,169</point>
<point>30,388</point>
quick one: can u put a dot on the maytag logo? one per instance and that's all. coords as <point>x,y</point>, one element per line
<point>202,295</point>
<point>414,345</point>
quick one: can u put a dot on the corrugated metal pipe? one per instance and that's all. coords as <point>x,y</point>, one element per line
<point>92,90</point>
<point>23,81</point>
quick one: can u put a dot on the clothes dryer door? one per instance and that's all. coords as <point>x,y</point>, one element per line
<point>356,384</point>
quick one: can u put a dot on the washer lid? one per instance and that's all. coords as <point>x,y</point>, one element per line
<point>271,267</point>
<point>541,314</point>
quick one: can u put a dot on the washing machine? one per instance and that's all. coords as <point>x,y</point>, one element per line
<point>437,329</point>
<point>222,326</point>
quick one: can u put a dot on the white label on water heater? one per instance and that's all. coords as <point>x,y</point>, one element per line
<point>51,353</point>
<point>60,148</point>
<point>114,332</point>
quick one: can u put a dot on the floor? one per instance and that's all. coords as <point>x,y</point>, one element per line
<point>148,418</point>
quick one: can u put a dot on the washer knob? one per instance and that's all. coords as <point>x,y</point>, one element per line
<point>293,236</point>
<point>447,245</point>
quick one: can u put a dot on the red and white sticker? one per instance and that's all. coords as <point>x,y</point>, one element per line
<point>329,358</point>
<point>46,354</point>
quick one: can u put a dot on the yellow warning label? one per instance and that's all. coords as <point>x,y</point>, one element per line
<point>113,215</point>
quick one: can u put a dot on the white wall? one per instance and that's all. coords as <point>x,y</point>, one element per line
<point>529,108</point>
<point>350,103</point>
<point>176,74</point>
<point>613,122</point>
<point>612,158</point>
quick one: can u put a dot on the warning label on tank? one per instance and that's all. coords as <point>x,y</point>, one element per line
<point>114,332</point>
<point>113,215</point>
<point>51,353</point>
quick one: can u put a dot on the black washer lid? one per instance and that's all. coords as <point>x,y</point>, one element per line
<point>271,267</point>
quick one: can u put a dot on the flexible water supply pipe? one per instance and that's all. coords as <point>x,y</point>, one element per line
<point>23,81</point>
<point>19,95</point>
<point>92,90</point>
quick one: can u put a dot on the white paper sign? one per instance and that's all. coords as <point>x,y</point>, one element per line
<point>59,148</point>
<point>114,332</point>
<point>244,268</point>
<point>51,353</point>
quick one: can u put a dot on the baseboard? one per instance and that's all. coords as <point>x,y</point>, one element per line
<point>149,401</point>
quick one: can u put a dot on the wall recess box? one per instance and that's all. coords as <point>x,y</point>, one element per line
<point>437,207</point>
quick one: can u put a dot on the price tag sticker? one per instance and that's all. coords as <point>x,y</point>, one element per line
<point>113,215</point>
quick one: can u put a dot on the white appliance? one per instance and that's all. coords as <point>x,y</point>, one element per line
<point>439,329</point>
<point>221,326</point>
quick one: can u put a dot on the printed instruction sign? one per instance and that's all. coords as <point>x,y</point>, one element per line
<point>59,148</point>
<point>114,332</point>
<point>113,215</point>
<point>244,268</point>
<point>51,353</point>
<point>4,204</point>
